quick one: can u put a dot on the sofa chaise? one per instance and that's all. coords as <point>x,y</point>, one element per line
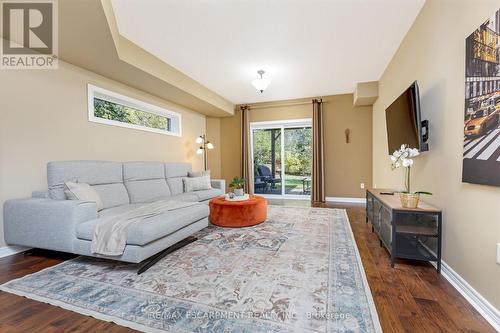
<point>49,221</point>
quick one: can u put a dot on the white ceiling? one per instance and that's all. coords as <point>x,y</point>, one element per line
<point>307,47</point>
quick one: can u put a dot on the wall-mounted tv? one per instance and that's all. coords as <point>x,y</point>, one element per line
<point>404,122</point>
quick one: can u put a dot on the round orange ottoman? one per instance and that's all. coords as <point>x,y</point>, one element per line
<point>235,214</point>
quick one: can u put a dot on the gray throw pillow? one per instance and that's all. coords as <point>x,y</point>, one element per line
<point>192,184</point>
<point>83,192</point>
<point>192,174</point>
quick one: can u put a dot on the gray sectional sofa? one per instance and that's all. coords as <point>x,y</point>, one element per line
<point>49,221</point>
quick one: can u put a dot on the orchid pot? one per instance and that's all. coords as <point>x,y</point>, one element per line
<point>409,200</point>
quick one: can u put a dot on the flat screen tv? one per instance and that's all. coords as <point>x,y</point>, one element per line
<point>404,122</point>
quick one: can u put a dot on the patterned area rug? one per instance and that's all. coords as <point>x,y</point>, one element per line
<point>300,271</point>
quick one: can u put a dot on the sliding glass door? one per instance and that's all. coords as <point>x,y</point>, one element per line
<point>282,155</point>
<point>298,160</point>
<point>267,161</point>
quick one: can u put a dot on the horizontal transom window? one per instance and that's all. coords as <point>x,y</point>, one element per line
<point>110,108</point>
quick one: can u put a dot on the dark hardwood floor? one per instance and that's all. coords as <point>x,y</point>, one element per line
<point>412,297</point>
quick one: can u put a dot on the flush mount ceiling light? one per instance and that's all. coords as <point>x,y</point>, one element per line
<point>261,84</point>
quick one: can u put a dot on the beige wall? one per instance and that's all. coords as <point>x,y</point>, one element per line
<point>214,155</point>
<point>433,53</point>
<point>275,112</point>
<point>230,137</point>
<point>44,118</point>
<point>347,165</point>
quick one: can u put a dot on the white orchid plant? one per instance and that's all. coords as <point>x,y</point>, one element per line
<point>403,157</point>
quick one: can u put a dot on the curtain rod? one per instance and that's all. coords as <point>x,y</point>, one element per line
<point>256,107</point>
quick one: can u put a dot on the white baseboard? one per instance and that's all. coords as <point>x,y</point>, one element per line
<point>10,250</point>
<point>485,308</point>
<point>346,200</point>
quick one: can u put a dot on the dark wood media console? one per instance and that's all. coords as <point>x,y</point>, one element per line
<point>406,233</point>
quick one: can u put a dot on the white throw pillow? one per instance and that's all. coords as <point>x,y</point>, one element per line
<point>83,192</point>
<point>196,183</point>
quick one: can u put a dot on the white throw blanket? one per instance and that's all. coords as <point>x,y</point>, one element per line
<point>110,233</point>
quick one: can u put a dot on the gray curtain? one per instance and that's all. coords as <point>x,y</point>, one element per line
<point>318,165</point>
<point>246,161</point>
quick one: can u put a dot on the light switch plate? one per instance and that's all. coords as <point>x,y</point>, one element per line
<point>362,185</point>
<point>498,253</point>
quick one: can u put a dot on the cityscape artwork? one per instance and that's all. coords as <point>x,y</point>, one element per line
<point>481,157</point>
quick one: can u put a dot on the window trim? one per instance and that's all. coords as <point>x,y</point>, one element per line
<point>289,123</point>
<point>113,97</point>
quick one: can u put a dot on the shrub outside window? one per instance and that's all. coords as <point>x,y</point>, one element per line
<point>110,108</point>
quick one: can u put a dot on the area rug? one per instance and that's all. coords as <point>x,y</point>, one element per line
<point>299,271</point>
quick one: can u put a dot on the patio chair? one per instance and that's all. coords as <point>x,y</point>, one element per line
<point>266,175</point>
<point>260,185</point>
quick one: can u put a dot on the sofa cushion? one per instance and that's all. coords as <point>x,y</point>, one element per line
<point>90,172</point>
<point>117,210</point>
<point>143,170</point>
<point>175,185</point>
<point>177,169</point>
<point>208,194</point>
<point>189,197</point>
<point>145,181</point>
<point>153,228</point>
<point>112,195</point>
<point>147,190</point>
